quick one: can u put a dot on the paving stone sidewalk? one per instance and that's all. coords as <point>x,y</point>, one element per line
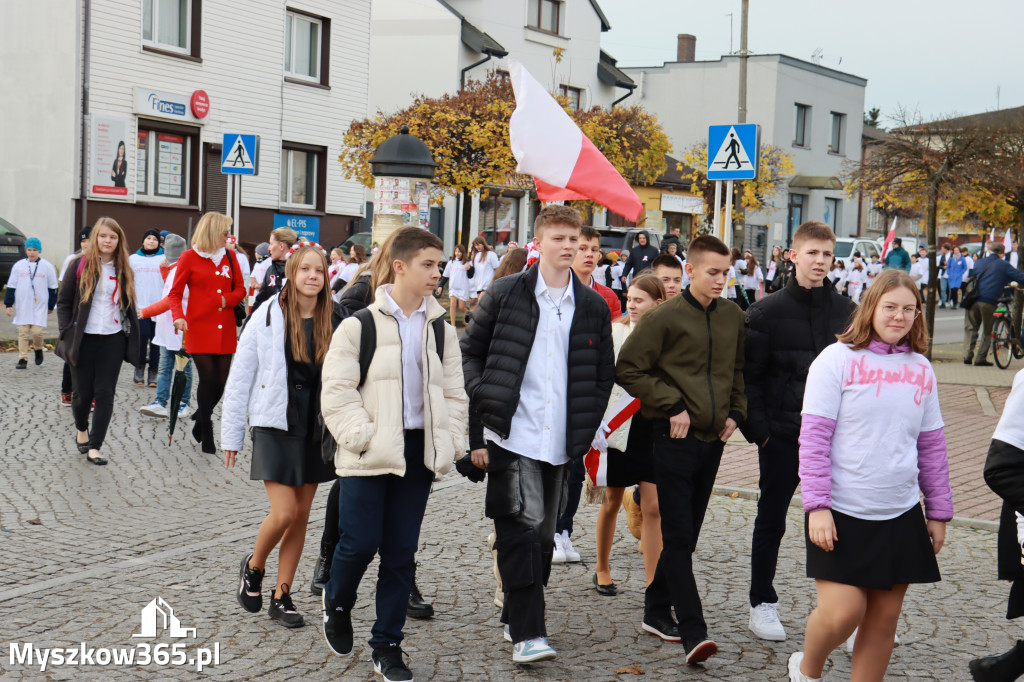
<point>83,549</point>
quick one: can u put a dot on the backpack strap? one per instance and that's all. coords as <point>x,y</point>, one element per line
<point>438,325</point>
<point>367,341</point>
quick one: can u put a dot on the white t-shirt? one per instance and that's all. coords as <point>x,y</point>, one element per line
<point>752,281</point>
<point>243,265</point>
<point>31,283</point>
<point>856,278</point>
<point>1010,429</point>
<point>259,271</point>
<point>105,313</point>
<point>148,282</point>
<point>881,404</point>
<point>484,266</point>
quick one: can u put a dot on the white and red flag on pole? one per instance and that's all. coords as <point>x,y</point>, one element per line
<point>888,239</point>
<point>596,461</point>
<point>564,163</point>
<point>1008,240</point>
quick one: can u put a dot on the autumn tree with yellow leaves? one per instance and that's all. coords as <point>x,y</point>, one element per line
<point>467,134</point>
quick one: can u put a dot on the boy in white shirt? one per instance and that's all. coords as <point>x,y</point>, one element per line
<point>31,294</point>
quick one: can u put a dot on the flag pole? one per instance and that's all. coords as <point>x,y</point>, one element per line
<point>727,232</point>
<point>718,207</point>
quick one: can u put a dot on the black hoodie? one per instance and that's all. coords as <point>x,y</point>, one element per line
<point>640,257</point>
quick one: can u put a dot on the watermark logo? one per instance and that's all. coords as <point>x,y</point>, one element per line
<point>157,618</point>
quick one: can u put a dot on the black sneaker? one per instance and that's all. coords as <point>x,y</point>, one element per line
<point>660,626</point>
<point>418,608</point>
<point>39,357</point>
<point>283,609</point>
<point>250,587</point>
<point>22,364</point>
<point>699,650</point>
<point>389,662</point>
<point>151,378</point>
<point>140,377</point>
<point>337,627</point>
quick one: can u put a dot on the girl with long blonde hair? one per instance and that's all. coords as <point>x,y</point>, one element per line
<point>281,352</point>
<point>99,329</point>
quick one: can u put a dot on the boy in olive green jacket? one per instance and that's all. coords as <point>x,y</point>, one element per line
<point>684,362</point>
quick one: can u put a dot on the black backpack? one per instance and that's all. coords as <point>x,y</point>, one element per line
<point>367,348</point>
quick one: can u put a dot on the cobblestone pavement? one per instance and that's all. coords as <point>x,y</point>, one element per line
<point>83,549</point>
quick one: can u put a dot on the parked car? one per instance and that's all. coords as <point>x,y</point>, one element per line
<point>12,249</point>
<point>364,239</point>
<point>973,247</point>
<point>909,243</point>
<point>847,246</point>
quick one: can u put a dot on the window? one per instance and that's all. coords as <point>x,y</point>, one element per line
<point>832,214</point>
<point>302,175</point>
<point>796,216</point>
<point>835,145</point>
<point>499,218</point>
<point>163,163</point>
<point>545,15</point>
<point>171,27</point>
<point>572,94</point>
<point>803,114</point>
<point>306,48</point>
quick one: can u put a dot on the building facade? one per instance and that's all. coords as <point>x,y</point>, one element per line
<point>432,47</point>
<point>810,111</point>
<point>137,96</point>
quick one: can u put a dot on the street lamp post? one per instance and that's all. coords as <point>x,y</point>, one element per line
<point>402,169</point>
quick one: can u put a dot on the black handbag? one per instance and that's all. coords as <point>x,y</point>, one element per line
<point>240,312</point>
<point>969,291</point>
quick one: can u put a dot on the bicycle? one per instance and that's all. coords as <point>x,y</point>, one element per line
<point>1005,344</point>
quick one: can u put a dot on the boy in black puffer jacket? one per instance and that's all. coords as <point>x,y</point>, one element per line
<point>539,364</point>
<point>785,333</point>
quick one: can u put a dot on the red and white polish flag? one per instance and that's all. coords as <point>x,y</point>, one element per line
<point>888,240</point>
<point>564,163</point>
<point>596,461</point>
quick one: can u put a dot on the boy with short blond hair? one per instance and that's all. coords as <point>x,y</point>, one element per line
<point>539,366</point>
<point>397,429</point>
<point>785,333</point>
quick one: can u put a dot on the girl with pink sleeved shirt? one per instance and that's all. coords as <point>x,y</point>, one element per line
<point>871,442</point>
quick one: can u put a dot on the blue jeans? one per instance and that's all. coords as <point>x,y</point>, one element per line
<point>163,380</point>
<point>381,515</point>
<point>943,291</point>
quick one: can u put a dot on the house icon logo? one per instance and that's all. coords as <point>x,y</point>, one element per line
<point>158,615</point>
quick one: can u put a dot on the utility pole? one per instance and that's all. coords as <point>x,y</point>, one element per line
<point>741,117</point>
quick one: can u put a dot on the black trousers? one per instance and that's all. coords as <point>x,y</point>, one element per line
<point>574,488</point>
<point>95,378</point>
<point>686,470</point>
<point>524,498</point>
<point>147,330</point>
<point>779,461</point>
<point>65,382</point>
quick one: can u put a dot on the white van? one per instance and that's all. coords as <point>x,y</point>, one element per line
<point>847,246</point>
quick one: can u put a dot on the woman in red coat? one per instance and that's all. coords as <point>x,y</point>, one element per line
<point>215,284</point>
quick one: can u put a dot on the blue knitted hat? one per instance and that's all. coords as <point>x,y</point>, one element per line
<point>34,243</point>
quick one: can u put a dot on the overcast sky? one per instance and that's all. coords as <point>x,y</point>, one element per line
<point>938,56</point>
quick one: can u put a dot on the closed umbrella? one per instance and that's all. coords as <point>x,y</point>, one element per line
<point>181,360</point>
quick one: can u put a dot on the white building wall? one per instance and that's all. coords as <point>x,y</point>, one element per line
<point>39,136</point>
<point>242,71</point>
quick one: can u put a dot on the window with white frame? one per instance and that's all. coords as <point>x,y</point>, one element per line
<point>167,24</point>
<point>803,115</point>
<point>299,177</point>
<point>303,42</point>
<point>835,144</point>
<point>544,15</point>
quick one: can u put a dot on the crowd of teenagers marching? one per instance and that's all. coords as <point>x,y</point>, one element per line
<point>346,372</point>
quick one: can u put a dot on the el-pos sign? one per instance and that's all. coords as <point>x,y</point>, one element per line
<point>192,107</point>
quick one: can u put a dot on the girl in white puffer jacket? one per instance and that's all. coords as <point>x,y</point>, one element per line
<point>275,385</point>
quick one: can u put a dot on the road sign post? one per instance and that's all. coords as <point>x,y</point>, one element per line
<point>733,154</point>
<point>239,156</point>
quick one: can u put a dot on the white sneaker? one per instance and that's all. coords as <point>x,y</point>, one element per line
<point>184,411</point>
<point>154,409</point>
<point>531,650</point>
<point>559,556</point>
<point>508,634</point>
<point>571,555</point>
<point>853,638</point>
<point>794,669</point>
<point>765,623</point>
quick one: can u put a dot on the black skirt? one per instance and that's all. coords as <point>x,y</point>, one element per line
<point>876,554</point>
<point>636,464</point>
<point>287,459</point>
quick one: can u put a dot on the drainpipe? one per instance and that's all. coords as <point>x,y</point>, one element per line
<point>462,77</point>
<point>84,166</point>
<point>623,97</point>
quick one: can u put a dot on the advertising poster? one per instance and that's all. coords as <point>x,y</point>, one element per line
<point>399,202</point>
<point>109,158</point>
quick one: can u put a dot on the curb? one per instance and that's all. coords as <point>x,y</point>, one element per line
<point>751,494</point>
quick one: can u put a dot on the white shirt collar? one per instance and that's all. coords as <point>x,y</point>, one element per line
<point>542,286</point>
<point>216,256</point>
<point>397,309</point>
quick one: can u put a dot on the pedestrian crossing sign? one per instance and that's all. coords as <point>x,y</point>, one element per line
<point>240,154</point>
<point>733,151</point>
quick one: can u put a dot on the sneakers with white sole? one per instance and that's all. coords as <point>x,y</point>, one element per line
<point>532,650</point>
<point>765,623</point>
<point>507,634</point>
<point>184,411</point>
<point>794,669</point>
<point>154,409</point>
<point>571,555</point>
<point>559,555</point>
